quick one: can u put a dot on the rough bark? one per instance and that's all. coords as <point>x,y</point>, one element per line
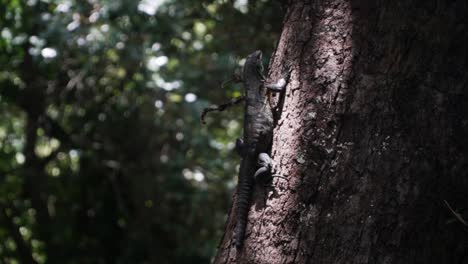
<point>371,138</point>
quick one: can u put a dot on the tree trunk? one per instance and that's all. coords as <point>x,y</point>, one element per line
<point>371,138</point>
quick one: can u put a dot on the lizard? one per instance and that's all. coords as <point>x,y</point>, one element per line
<point>257,137</point>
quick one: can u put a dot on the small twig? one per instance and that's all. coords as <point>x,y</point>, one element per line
<point>457,215</point>
<point>236,78</point>
<point>220,108</point>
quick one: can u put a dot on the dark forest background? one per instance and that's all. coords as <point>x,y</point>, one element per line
<point>103,158</point>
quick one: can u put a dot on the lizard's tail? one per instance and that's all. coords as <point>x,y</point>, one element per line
<point>244,192</point>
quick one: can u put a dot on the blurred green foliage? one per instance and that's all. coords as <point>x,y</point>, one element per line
<point>102,155</point>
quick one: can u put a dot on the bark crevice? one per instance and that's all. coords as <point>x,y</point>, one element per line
<point>371,138</point>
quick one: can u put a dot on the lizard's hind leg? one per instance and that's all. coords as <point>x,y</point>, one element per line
<point>263,173</point>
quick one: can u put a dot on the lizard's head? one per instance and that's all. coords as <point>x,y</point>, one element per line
<point>253,63</point>
<point>256,56</point>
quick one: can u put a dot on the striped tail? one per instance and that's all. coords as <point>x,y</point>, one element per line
<point>244,193</point>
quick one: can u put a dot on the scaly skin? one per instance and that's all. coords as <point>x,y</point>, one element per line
<point>258,134</point>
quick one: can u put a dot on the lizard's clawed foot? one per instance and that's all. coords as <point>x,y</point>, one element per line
<point>263,173</point>
<point>279,85</point>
